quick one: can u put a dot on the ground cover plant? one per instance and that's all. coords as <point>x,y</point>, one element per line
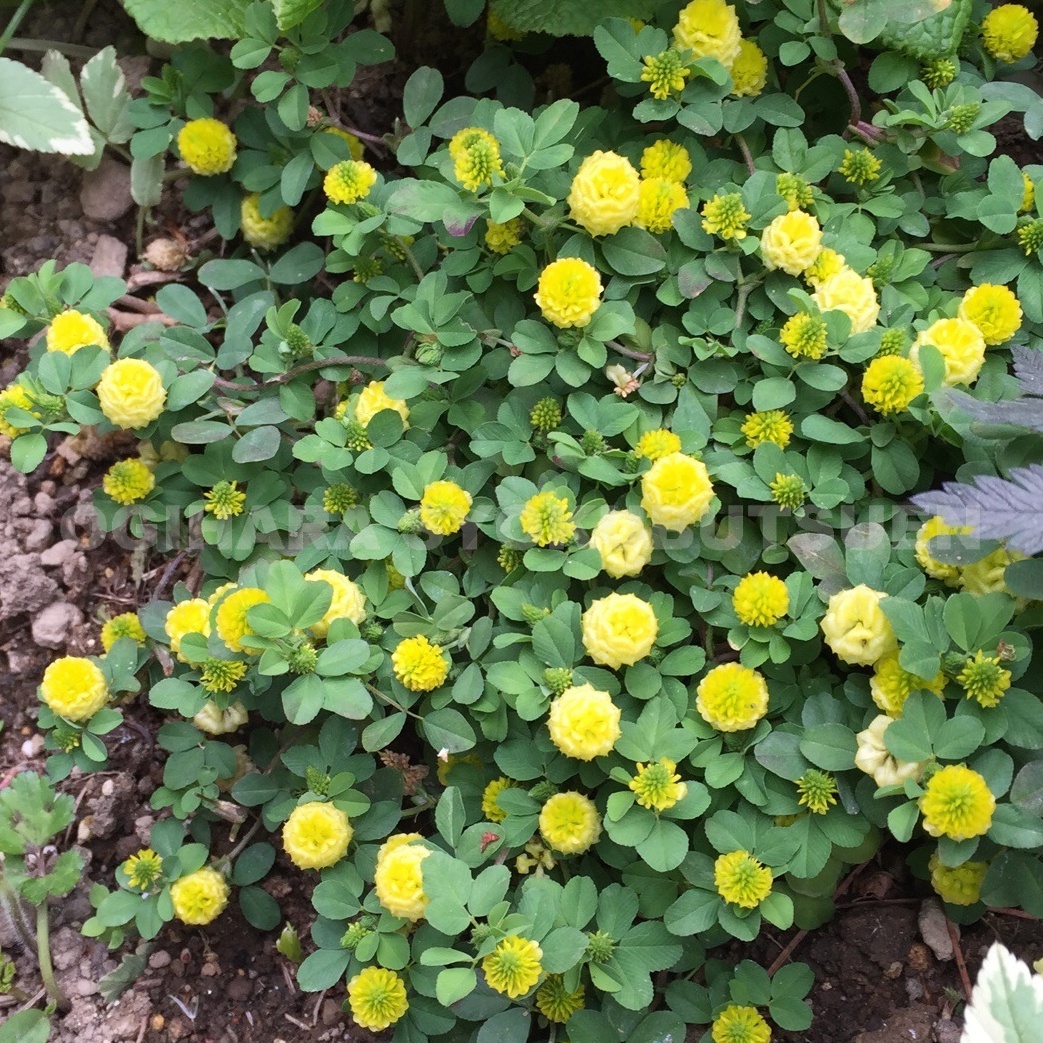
<point>549,468</point>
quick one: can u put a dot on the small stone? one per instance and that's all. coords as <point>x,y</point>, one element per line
<point>84,987</point>
<point>239,990</point>
<point>210,970</point>
<point>40,535</point>
<point>157,1022</point>
<point>159,959</point>
<point>33,747</point>
<point>331,1012</point>
<point>935,931</point>
<point>59,554</point>
<point>51,628</point>
<point>110,257</point>
<point>176,1029</point>
<point>947,1031</point>
<point>105,195</point>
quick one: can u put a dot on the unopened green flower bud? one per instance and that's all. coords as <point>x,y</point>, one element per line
<point>679,380</point>
<point>939,72</point>
<point>371,630</point>
<point>429,353</point>
<point>318,781</point>
<point>569,338</point>
<point>289,58</point>
<point>1030,237</point>
<point>593,443</point>
<point>545,415</point>
<point>338,498</point>
<point>367,268</point>
<point>510,558</point>
<point>302,659</point>
<point>66,736</point>
<point>557,678</point>
<point>961,117</point>
<point>533,614</point>
<point>298,342</point>
<point>893,342</point>
<point>354,934</point>
<point>859,166</point>
<point>479,933</point>
<point>795,190</point>
<point>600,946</point>
<point>357,440</point>
<point>543,790</point>
<point>410,522</point>
<point>880,271</point>
<point>788,490</point>
<point>367,210</point>
<point>289,944</point>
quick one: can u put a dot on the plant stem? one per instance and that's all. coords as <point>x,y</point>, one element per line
<point>71,50</point>
<point>43,954</point>
<point>16,19</point>
<point>410,257</point>
<point>242,843</point>
<point>849,88</point>
<point>305,367</point>
<point>950,248</point>
<point>746,154</point>
<point>637,356</point>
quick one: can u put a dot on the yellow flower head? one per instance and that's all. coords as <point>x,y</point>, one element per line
<point>936,529</point>
<point>187,617</point>
<point>143,869</point>
<point>74,688</point>
<point>1009,32</point>
<point>741,879</point>
<point>665,159</point>
<point>659,199</point>
<point>316,835</point>
<point>555,1002</point>
<point>709,29</point>
<point>855,627</point>
<point>1030,237</point>
<point>349,181</point>
<point>859,166</point>
<point>377,998</point>
<point>373,399</point>
<point>749,70</point>
<point>760,600</point>
<point>348,600</point>
<point>817,791</point>
<point>490,808</point>
<point>17,396</point>
<point>605,193</point>
<point>799,196</point>
<point>207,146</point>
<point>665,73</point>
<point>654,444</point>
<point>791,242</point>
<point>502,238</point>
<point>825,266</point>
<point>725,216</point>
<point>232,626</point>
<point>995,310</point>
<point>957,885</point>
<point>513,967</point>
<point>72,330</point>
<point>569,292</point>
<point>570,823</point>
<point>732,697</point>
<point>476,158</point>
<point>804,335</point>
<point>264,233</point>
<point>131,393</point>
<point>851,293</point>
<point>444,507</point>
<point>221,675</point>
<point>420,665</point>
<point>788,490</point>
<point>618,630</point>
<point>128,481</point>
<point>399,879</point>
<point>546,519</point>
<point>957,803</point>
<point>874,758</point>
<point>891,685</point>
<point>987,576</point>
<point>215,721</point>
<point>773,425</point>
<point>737,1024</point>
<point>1028,196</point>
<point>983,679</point>
<point>890,383</point>
<point>962,346</point>
<point>676,491</point>
<point>200,897</point>
<point>624,542</point>
<point>225,500</point>
<point>657,785</point>
<point>126,624</point>
<point>584,722</point>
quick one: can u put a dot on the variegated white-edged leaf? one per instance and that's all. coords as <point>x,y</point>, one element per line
<point>37,115</point>
<point>1007,1003</point>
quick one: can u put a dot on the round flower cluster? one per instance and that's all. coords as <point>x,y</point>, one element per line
<point>373,399</point>
<point>962,347</point>
<point>665,73</point>
<point>749,70</point>
<point>605,194</point>
<point>732,697</point>
<point>420,665</point>
<point>231,621</point>
<point>855,627</point>
<point>804,335</point>
<point>17,397</point>
<point>890,383</point>
<point>760,599</point>
<point>851,293</point>
<point>709,29</point>
<point>514,966</point>
<point>570,823</point>
<point>126,624</point>
<point>200,897</point>
<point>741,879</point>
<point>377,998</point>
<point>874,758</point>
<point>618,630</point>
<point>791,242</point>
<point>1009,32</point>
<point>128,481</point>
<point>666,159</point>
<point>957,803</point>
<point>398,879</point>
<point>131,393</point>
<point>547,519</point>
<point>659,199</point>
<point>264,231</point>
<point>71,330</point>
<point>502,238</point>
<point>444,507</point>
<point>348,600</point>
<point>957,885</point>
<point>207,146</point>
<point>994,310</point>
<point>476,158</point>
<point>773,425</point>
<point>491,809</point>
<point>349,181</point>
<point>891,684</point>
<point>657,785</point>
<point>676,491</point>
<point>725,216</point>
<point>740,1024</point>
<point>569,292</point>
<point>584,722</point>
<point>74,688</point>
<point>316,835</point>
<point>624,542</point>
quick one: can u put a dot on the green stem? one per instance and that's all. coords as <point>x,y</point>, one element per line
<point>16,20</point>
<point>242,843</point>
<point>952,248</point>
<point>43,954</point>
<point>747,156</point>
<point>637,356</point>
<point>410,257</point>
<point>305,367</point>
<point>70,50</point>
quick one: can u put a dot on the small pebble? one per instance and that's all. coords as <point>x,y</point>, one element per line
<point>159,959</point>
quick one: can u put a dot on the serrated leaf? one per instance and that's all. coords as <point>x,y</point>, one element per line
<point>289,13</point>
<point>189,19</point>
<point>106,96</point>
<point>1007,1003</point>
<point>576,18</point>
<point>37,115</point>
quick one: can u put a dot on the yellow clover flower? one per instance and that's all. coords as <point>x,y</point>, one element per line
<point>709,29</point>
<point>741,879</point>
<point>490,808</point>
<point>665,73</point>
<point>215,721</point>
<point>348,600</point>
<point>143,869</point>
<point>131,393</point>
<point>1028,196</point>
<point>760,599</point>
<point>225,500</point>
<point>373,399</point>
<point>657,785</point>
<point>962,346</point>
<point>316,835</point>
<point>890,383</point>
<point>555,1002</point>
<point>739,1024</point>
<point>420,665</point>
<point>855,627</point>
<point>476,158</point>
<point>605,193</point>
<point>260,231</point>
<point>957,885</point>
<point>14,395</point>
<point>513,967</point>
<point>547,519</point>
<point>74,688</point>
<point>207,146</point>
<point>987,575</point>
<point>231,622</point>
<point>187,617</point>
<point>128,481</point>
<point>936,529</point>
<point>851,293</point>
<point>666,159</point>
<point>659,199</point>
<point>749,71</point>
<point>72,330</point>
<point>874,758</point>
<point>676,491</point>
<point>502,238</point>
<point>825,266</point>
<point>773,425</point>
<point>618,630</point>
<point>725,216</point>
<point>200,897</point>
<point>654,444</point>
<point>859,166</point>
<point>377,998</point>
<point>570,823</point>
<point>957,803</point>
<point>804,336</point>
<point>444,507</point>
<point>399,879</point>
<point>817,791</point>
<point>349,181</point>
<point>1009,32</point>
<point>995,310</point>
<point>798,195</point>
<point>891,684</point>
<point>624,542</point>
<point>568,292</point>
<point>584,722</point>
<point>126,624</point>
<point>791,242</point>
<point>732,697</point>
<point>983,679</point>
